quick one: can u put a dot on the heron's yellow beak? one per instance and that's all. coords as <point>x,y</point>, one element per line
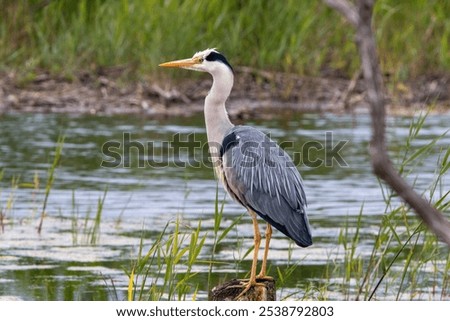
<point>183,63</point>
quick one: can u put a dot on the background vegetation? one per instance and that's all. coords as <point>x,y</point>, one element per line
<point>306,37</point>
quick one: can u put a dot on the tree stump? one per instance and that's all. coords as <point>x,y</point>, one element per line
<point>229,291</point>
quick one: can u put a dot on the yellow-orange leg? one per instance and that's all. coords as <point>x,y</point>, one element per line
<point>257,239</point>
<point>268,236</point>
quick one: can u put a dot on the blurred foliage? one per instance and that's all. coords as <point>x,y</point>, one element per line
<point>305,37</point>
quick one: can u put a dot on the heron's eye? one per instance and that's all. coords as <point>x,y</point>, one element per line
<point>200,60</point>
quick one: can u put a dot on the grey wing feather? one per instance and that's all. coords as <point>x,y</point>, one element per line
<point>262,177</point>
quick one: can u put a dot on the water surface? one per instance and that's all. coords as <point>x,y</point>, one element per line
<point>164,176</point>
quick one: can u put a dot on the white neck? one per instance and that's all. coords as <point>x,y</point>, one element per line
<point>216,117</point>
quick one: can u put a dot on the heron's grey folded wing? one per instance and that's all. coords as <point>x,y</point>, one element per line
<point>262,177</point>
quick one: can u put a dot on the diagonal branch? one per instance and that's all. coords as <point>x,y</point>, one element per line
<point>382,165</point>
<point>345,8</point>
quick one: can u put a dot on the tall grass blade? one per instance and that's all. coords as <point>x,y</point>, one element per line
<point>51,178</point>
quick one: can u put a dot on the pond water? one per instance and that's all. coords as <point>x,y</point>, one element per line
<point>152,171</point>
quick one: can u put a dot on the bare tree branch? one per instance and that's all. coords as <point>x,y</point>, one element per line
<point>345,8</point>
<point>381,163</point>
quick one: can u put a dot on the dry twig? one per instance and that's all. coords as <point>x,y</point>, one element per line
<point>361,19</point>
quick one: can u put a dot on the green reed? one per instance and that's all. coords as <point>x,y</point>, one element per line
<point>51,179</point>
<point>70,36</point>
<point>403,250</point>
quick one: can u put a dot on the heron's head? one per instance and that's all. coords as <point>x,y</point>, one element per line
<point>209,60</point>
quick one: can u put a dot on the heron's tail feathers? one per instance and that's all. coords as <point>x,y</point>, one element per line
<point>295,227</point>
<point>299,230</point>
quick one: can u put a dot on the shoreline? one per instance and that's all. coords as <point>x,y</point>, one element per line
<point>255,94</point>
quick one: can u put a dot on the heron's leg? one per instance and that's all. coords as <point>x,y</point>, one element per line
<point>268,235</point>
<point>257,240</point>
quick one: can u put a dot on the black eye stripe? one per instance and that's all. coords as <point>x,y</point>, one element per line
<point>215,56</point>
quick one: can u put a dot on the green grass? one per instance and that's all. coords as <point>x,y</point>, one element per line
<point>403,249</point>
<point>66,37</point>
<point>51,179</point>
<point>165,272</point>
<point>86,231</point>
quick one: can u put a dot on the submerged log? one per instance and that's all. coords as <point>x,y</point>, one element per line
<point>230,291</point>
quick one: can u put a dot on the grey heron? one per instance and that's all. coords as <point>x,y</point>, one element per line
<point>254,170</point>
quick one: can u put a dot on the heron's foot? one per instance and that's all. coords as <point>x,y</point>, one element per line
<point>264,277</point>
<point>246,284</point>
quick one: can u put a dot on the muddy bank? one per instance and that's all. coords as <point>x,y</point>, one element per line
<point>256,93</point>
